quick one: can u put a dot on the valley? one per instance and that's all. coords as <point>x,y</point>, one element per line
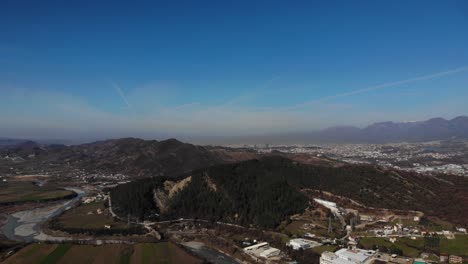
<point>214,212</point>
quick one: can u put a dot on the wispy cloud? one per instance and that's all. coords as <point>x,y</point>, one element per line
<point>121,94</point>
<point>383,86</point>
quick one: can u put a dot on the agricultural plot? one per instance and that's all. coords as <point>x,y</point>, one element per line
<point>116,253</point>
<point>161,253</point>
<point>35,253</point>
<point>413,248</point>
<point>89,216</point>
<point>24,191</point>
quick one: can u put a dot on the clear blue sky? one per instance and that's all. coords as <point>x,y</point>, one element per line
<point>78,69</point>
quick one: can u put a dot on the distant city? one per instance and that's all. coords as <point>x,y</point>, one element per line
<point>447,157</point>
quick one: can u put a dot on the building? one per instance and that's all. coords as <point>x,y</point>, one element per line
<point>256,246</point>
<point>455,259</point>
<point>366,218</point>
<point>330,205</point>
<point>262,250</point>
<point>270,252</point>
<point>419,261</point>
<point>346,256</point>
<point>461,229</point>
<point>443,258</point>
<point>328,258</point>
<point>300,243</point>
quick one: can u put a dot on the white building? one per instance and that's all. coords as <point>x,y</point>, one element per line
<point>330,205</point>
<point>262,250</point>
<point>300,243</point>
<point>270,252</point>
<point>256,246</point>
<point>346,256</point>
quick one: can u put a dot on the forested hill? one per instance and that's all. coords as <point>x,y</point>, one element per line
<point>131,156</point>
<point>265,191</point>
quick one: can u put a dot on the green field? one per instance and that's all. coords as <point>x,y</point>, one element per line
<point>26,191</point>
<point>86,216</point>
<point>413,248</point>
<point>457,246</point>
<point>408,246</point>
<point>295,228</point>
<point>323,248</point>
<point>57,254</point>
<point>163,252</point>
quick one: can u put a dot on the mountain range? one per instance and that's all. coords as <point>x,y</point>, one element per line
<point>432,129</point>
<point>135,157</point>
<point>382,132</point>
<point>241,182</point>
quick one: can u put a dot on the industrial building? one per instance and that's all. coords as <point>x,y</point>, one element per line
<point>262,250</point>
<point>346,256</point>
<point>300,243</point>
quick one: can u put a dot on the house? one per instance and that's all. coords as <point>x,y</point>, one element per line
<point>461,229</point>
<point>443,258</point>
<point>455,259</point>
<point>107,226</point>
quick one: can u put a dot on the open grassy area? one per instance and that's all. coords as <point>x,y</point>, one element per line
<point>457,246</point>
<point>115,253</point>
<point>323,248</point>
<point>25,191</point>
<point>34,253</point>
<point>409,247</point>
<point>295,228</point>
<point>413,248</point>
<point>86,216</point>
<point>161,253</point>
<point>56,255</point>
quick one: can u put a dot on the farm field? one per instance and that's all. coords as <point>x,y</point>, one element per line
<point>161,253</point>
<point>26,191</point>
<point>86,216</point>
<point>164,252</point>
<point>323,248</point>
<point>413,248</point>
<point>295,228</point>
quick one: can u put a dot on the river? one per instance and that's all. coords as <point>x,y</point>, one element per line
<point>24,226</point>
<point>209,254</point>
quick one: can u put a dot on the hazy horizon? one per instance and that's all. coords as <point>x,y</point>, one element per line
<point>80,71</point>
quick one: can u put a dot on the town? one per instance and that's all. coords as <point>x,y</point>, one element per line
<point>447,157</point>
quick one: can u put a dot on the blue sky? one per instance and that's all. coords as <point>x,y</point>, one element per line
<point>186,68</point>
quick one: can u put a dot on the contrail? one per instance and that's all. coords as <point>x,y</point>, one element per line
<point>121,93</point>
<point>385,85</point>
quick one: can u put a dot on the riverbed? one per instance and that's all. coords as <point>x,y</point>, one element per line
<point>209,254</point>
<point>24,226</point>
